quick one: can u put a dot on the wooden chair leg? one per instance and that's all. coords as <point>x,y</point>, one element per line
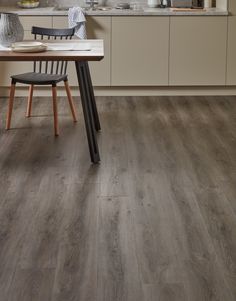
<point>10,105</point>
<point>30,97</point>
<point>70,99</point>
<point>54,98</point>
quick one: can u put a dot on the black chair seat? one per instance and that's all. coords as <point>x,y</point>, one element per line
<point>33,78</point>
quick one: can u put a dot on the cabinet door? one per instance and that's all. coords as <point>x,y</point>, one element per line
<point>100,28</point>
<point>60,22</point>
<point>140,51</point>
<point>231,55</point>
<point>11,68</point>
<point>41,21</point>
<point>29,21</point>
<point>232,7</point>
<point>97,28</point>
<point>198,50</point>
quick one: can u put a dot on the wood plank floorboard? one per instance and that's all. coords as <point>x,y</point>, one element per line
<point>154,221</point>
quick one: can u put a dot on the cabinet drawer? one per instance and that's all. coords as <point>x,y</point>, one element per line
<point>29,21</point>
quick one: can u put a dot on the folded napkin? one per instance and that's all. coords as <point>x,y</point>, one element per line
<point>81,46</point>
<point>77,19</point>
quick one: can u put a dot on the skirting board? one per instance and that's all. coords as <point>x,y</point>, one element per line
<point>130,91</point>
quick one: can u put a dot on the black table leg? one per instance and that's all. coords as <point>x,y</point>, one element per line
<point>92,98</point>
<point>87,106</point>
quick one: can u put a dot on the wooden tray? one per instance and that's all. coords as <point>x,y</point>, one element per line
<point>179,9</point>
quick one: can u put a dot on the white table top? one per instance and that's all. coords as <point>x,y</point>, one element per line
<point>95,53</point>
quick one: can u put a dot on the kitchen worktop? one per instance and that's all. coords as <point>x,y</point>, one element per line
<point>51,11</point>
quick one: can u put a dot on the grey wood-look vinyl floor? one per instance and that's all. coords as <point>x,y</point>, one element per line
<point>154,221</point>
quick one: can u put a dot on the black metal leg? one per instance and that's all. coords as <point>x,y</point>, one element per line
<point>88,111</point>
<point>92,98</point>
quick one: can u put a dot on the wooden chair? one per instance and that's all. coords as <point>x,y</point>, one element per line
<point>44,73</point>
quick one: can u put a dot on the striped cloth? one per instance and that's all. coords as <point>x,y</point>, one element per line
<point>77,19</point>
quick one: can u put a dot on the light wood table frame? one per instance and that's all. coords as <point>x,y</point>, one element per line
<point>81,58</point>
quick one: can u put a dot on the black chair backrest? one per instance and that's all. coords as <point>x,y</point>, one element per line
<point>52,67</point>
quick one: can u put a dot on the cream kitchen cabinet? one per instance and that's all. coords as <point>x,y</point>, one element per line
<point>231,54</point>
<point>41,21</point>
<point>29,21</point>
<point>10,68</point>
<point>151,50</point>
<point>98,27</point>
<point>232,7</point>
<point>140,48</point>
<point>198,50</point>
